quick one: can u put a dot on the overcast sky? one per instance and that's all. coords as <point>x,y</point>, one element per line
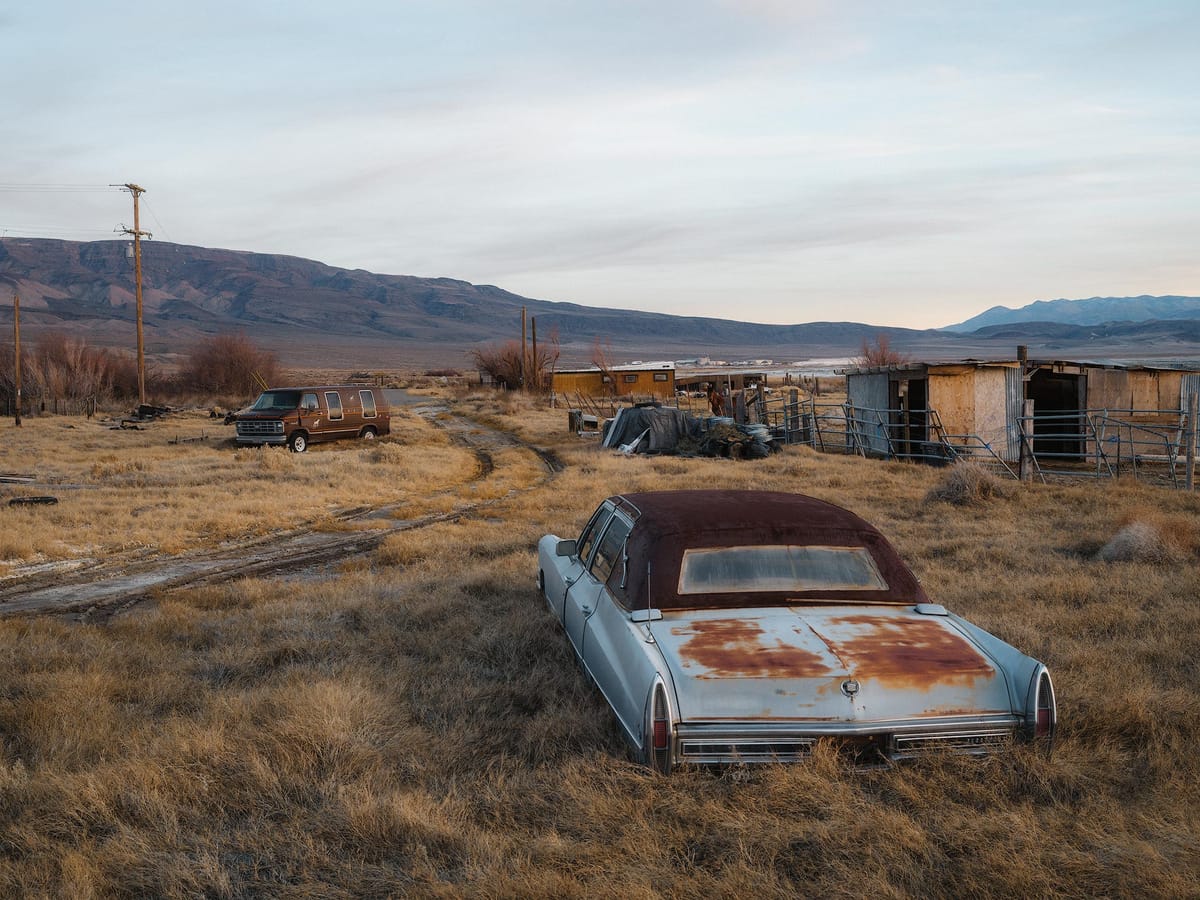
<point>766,160</point>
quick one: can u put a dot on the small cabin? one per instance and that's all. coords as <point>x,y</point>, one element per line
<point>655,379</point>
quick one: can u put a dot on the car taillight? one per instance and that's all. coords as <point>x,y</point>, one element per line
<point>1044,713</point>
<point>661,734</point>
<point>1043,722</point>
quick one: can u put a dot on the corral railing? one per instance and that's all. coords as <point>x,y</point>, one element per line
<point>1100,443</point>
<point>1148,444</point>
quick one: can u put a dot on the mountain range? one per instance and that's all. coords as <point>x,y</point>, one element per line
<point>1093,311</point>
<point>313,314</point>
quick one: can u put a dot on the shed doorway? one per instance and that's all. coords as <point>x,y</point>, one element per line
<point>909,402</point>
<point>1059,400</point>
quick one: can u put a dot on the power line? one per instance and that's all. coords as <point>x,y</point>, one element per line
<point>53,229</point>
<point>161,229</point>
<point>54,188</point>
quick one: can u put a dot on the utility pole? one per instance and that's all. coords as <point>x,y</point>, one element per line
<point>524,344</point>
<point>137,233</point>
<point>17,354</point>
<point>534,367</point>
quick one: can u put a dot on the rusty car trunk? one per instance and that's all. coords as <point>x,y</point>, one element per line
<point>830,664</point>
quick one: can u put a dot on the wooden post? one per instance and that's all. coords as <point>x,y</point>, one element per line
<point>1025,469</point>
<point>537,370</point>
<point>1191,442</point>
<point>137,270</point>
<point>524,339</point>
<point>16,340</point>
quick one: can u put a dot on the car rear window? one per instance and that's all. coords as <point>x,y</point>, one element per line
<point>750,570</point>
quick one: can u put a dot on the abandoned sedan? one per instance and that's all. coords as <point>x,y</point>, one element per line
<point>743,626</point>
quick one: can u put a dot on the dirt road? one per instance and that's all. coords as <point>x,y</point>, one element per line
<point>99,591</point>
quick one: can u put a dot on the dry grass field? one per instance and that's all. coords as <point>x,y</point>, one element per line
<point>181,484</point>
<point>412,724</point>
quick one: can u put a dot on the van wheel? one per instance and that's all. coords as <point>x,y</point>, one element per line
<point>368,433</point>
<point>298,443</point>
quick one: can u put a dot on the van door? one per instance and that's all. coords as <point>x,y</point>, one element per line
<point>370,414</point>
<point>335,418</point>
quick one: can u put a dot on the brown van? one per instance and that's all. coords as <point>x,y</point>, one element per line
<point>303,415</point>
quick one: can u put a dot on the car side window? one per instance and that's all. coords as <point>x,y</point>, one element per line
<point>608,552</point>
<point>309,403</point>
<point>591,531</point>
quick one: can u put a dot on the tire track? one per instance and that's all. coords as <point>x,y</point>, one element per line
<point>99,593</point>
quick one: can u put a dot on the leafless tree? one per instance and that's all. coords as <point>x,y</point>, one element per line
<point>880,353</point>
<point>228,364</point>
<point>503,364</point>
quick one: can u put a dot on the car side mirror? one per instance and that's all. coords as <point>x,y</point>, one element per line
<point>564,548</point>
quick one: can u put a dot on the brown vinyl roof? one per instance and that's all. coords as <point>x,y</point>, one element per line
<point>668,522</point>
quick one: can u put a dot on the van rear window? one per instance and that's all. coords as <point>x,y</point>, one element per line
<point>277,400</point>
<point>368,404</point>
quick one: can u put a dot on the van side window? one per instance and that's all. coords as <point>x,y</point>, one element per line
<point>309,403</point>
<point>334,401</point>
<point>368,403</point>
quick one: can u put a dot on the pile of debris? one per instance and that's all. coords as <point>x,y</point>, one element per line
<point>144,413</point>
<point>664,430</point>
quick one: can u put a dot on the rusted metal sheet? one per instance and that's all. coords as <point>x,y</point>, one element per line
<point>741,648</point>
<point>920,653</point>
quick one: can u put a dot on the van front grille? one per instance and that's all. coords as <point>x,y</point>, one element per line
<point>257,427</point>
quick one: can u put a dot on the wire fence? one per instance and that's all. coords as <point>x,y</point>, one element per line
<point>1146,444</point>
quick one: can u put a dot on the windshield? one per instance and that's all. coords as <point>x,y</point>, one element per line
<point>778,568</point>
<point>277,400</point>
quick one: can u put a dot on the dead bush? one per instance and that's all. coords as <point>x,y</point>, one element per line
<point>968,484</point>
<point>228,364</point>
<point>1139,542</point>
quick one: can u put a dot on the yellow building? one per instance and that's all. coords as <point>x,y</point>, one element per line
<point>655,379</point>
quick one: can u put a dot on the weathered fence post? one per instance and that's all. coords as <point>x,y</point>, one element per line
<point>1191,442</point>
<point>791,416</point>
<point>1025,468</point>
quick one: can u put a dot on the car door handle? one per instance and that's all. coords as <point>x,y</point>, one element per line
<point>586,610</point>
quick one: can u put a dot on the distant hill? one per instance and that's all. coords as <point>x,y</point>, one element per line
<point>1094,311</point>
<point>312,314</point>
<point>191,291</point>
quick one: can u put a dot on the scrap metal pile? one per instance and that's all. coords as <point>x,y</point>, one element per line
<point>664,430</point>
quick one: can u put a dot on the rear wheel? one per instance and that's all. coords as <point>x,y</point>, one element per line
<point>369,433</point>
<point>298,442</point>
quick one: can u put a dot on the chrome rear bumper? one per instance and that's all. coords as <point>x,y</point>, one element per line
<point>879,742</point>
